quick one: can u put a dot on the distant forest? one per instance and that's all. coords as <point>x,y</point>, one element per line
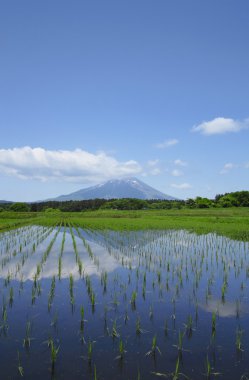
<point>235,199</point>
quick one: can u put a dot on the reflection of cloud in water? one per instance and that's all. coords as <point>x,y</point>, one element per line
<point>224,310</point>
<point>107,264</point>
<point>27,270</point>
<point>69,266</point>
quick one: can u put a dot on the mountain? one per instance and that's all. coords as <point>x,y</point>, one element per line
<point>117,188</point>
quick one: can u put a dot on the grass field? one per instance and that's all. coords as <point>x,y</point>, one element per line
<point>231,222</point>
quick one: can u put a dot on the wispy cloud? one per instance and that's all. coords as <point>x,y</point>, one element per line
<point>167,143</point>
<point>227,167</point>
<point>77,165</point>
<point>181,186</point>
<point>179,162</point>
<point>221,125</point>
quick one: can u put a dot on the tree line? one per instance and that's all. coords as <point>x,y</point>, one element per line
<point>235,199</point>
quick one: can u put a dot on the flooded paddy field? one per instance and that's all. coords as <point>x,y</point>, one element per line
<point>88,304</point>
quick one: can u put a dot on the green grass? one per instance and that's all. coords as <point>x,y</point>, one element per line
<point>231,222</point>
<point>10,220</point>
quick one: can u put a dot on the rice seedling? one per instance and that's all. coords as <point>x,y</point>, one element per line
<point>138,326</point>
<point>179,346</point>
<point>51,293</point>
<point>53,353</point>
<point>93,302</point>
<point>154,348</point>
<point>19,366</point>
<point>11,296</point>
<point>209,370</point>
<point>95,373</point>
<point>49,248</point>
<point>189,326</point>
<point>176,375</point>
<point>213,323</point>
<point>27,339</point>
<point>238,341</point>
<point>121,351</point>
<point>82,315</point>
<point>223,291</point>
<point>159,276</point>
<point>115,333</point>
<point>144,291</point>
<point>71,289</point>
<point>133,300</point>
<point>104,280</point>
<point>126,317</point>
<point>59,267</point>
<point>138,374</point>
<point>90,351</point>
<point>4,324</point>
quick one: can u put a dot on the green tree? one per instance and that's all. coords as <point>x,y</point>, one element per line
<point>19,207</point>
<point>203,202</point>
<point>190,203</point>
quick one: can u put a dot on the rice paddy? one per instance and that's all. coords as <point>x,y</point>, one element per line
<point>85,303</point>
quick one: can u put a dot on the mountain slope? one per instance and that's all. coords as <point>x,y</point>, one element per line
<point>123,188</point>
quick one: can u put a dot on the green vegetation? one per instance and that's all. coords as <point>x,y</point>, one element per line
<point>231,222</point>
<point>235,199</point>
<point>10,219</point>
<point>227,214</point>
<point>19,207</point>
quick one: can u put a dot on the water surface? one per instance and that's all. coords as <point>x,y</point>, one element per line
<point>90,293</point>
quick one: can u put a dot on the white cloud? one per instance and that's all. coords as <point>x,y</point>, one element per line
<point>181,186</point>
<point>167,143</point>
<point>227,167</point>
<point>176,173</point>
<point>220,125</point>
<point>72,166</point>
<point>247,165</point>
<point>179,162</point>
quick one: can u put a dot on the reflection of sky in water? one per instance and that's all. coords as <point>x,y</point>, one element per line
<point>110,248</point>
<point>23,238</point>
<point>69,266</point>
<point>32,258</point>
<point>126,257</point>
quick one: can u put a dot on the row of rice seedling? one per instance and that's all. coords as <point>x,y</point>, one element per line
<point>151,304</point>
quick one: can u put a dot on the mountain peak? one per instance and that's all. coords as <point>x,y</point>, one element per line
<point>129,187</point>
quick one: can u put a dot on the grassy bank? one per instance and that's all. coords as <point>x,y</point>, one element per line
<point>231,222</point>
<point>10,220</point>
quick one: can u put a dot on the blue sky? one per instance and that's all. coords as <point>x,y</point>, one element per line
<point>93,90</point>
